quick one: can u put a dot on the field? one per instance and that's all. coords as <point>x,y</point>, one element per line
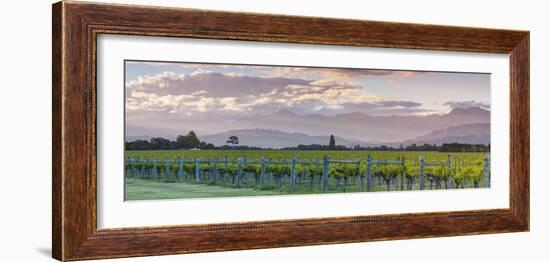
<point>174,174</point>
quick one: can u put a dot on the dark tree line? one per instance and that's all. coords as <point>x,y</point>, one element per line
<point>191,141</point>
<point>452,147</point>
<point>317,147</point>
<point>456,147</point>
<point>188,141</point>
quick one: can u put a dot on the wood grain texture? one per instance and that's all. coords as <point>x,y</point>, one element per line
<point>57,195</point>
<point>76,27</point>
<point>519,129</point>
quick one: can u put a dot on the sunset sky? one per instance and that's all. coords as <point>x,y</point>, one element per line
<point>163,97</point>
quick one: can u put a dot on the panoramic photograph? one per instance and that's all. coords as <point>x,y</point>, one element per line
<point>203,130</point>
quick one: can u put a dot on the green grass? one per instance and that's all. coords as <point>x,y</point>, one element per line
<point>142,189</point>
<point>154,189</point>
<point>150,188</point>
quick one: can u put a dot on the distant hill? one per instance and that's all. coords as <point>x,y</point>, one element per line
<point>134,138</point>
<point>363,127</point>
<point>270,138</point>
<point>478,133</point>
<point>285,128</point>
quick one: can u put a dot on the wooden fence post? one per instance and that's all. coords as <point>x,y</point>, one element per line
<point>421,160</point>
<point>293,175</point>
<point>143,167</point>
<point>358,174</point>
<point>243,173</point>
<point>132,166</point>
<point>368,171</point>
<point>181,169</point>
<point>325,173</point>
<point>167,168</point>
<point>457,168</point>
<point>197,170</point>
<point>155,168</point>
<point>450,159</point>
<point>368,174</point>
<point>403,174</point>
<point>486,173</point>
<point>215,171</point>
<point>262,171</point>
<point>239,171</point>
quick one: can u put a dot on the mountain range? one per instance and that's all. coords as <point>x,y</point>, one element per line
<point>269,138</point>
<point>284,128</point>
<point>478,133</point>
<point>363,127</point>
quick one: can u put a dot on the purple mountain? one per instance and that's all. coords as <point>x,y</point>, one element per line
<point>362,127</point>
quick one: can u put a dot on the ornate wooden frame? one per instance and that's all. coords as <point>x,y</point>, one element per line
<point>76,26</point>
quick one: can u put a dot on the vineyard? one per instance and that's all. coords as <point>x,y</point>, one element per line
<point>214,173</point>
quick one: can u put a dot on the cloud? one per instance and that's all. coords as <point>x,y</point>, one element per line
<point>399,103</point>
<point>339,74</point>
<point>214,93</point>
<point>204,91</point>
<point>380,108</point>
<point>215,84</point>
<point>206,101</point>
<point>467,104</point>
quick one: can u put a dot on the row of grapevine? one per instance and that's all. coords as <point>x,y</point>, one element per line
<point>325,175</point>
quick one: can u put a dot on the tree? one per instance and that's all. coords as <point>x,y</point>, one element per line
<point>207,146</point>
<point>139,144</point>
<point>332,143</point>
<point>233,140</point>
<point>159,143</point>
<point>188,141</point>
<point>194,141</point>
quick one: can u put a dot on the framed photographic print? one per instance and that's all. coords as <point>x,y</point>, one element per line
<point>181,130</point>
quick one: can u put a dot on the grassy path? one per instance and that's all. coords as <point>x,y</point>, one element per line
<point>139,189</point>
<point>153,189</point>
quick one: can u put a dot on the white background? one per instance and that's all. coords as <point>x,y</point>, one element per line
<point>25,106</point>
